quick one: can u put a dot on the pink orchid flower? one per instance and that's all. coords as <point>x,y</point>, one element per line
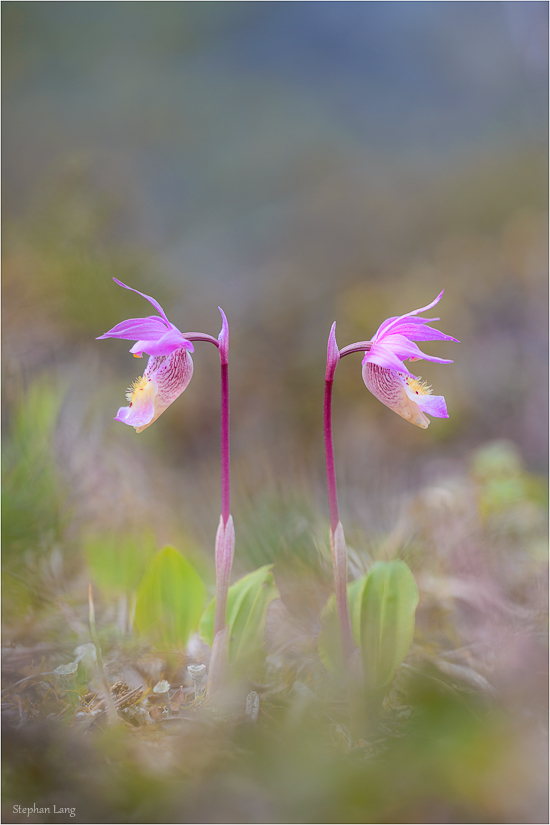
<point>168,371</point>
<point>386,375</point>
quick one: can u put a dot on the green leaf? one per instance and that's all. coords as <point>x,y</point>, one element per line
<point>170,599</point>
<point>382,606</point>
<point>386,620</point>
<point>247,603</point>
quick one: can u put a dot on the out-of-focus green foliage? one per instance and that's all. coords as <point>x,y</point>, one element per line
<point>502,481</point>
<point>69,263</point>
<point>382,606</point>
<point>17,596</point>
<point>277,528</point>
<point>34,510</point>
<point>512,502</point>
<point>31,499</point>
<point>247,603</point>
<point>498,459</point>
<point>170,599</point>
<point>117,561</point>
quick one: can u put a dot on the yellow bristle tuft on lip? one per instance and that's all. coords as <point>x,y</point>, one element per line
<point>418,386</point>
<point>137,386</point>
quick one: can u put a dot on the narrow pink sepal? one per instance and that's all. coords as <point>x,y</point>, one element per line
<point>333,354</point>
<point>147,298</point>
<point>223,339</point>
<point>135,328</point>
<point>421,332</point>
<point>413,312</point>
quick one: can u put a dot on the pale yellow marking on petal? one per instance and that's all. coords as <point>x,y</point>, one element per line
<point>138,386</point>
<point>412,411</point>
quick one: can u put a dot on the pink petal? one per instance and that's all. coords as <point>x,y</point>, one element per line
<point>433,405</point>
<point>403,348</point>
<point>382,328</point>
<point>418,332</point>
<point>169,342</point>
<point>415,312</point>
<point>136,328</point>
<point>385,358</point>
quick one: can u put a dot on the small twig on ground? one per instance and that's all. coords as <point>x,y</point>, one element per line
<point>27,679</point>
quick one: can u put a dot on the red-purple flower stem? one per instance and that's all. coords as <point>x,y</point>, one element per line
<point>224,363</point>
<point>201,336</point>
<point>225,537</point>
<point>337,539</point>
<point>226,478</point>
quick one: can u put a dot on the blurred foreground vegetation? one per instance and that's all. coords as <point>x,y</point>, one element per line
<point>459,738</point>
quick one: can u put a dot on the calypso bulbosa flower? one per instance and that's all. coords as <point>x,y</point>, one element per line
<point>387,377</point>
<point>168,373</point>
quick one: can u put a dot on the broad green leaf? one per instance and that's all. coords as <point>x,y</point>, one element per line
<point>117,562</point>
<point>386,620</point>
<point>382,606</point>
<point>247,603</point>
<point>170,599</point>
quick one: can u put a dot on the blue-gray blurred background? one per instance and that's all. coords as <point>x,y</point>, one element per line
<point>296,164</point>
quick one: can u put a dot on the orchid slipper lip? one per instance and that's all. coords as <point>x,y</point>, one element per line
<point>164,380</point>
